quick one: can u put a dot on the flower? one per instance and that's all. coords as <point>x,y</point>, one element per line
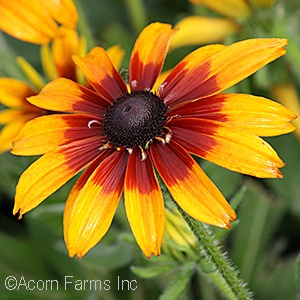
<point>56,62</point>
<point>178,240</point>
<point>120,135</point>
<point>195,30</point>
<point>37,21</point>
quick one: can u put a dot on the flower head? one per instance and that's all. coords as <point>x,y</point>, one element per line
<point>122,134</point>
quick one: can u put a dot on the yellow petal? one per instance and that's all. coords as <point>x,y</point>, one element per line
<point>116,54</point>
<point>196,30</point>
<point>227,146</point>
<point>92,203</point>
<point>51,171</point>
<point>148,55</point>
<point>28,21</point>
<point>190,187</point>
<point>49,132</point>
<point>144,204</point>
<point>9,132</point>
<point>63,48</point>
<point>195,78</point>
<point>63,11</point>
<point>101,74</point>
<point>13,92</point>
<point>257,115</point>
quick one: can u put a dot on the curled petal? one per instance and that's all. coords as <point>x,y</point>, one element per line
<point>144,203</point>
<point>190,187</point>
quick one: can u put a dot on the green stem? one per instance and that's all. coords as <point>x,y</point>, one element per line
<point>228,281</point>
<point>137,13</point>
<point>221,272</point>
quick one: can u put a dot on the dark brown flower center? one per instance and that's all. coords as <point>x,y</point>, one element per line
<point>135,119</point>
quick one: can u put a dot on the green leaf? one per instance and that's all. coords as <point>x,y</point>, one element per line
<point>278,282</point>
<point>259,218</point>
<point>179,285</point>
<point>111,255</point>
<point>298,277</point>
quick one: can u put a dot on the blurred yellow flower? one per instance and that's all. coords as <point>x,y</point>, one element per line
<point>262,3</point>
<point>178,236</point>
<point>287,95</point>
<point>228,8</point>
<point>37,21</point>
<point>13,95</point>
<point>196,30</point>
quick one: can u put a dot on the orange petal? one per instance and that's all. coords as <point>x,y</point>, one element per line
<point>148,55</point>
<point>144,203</point>
<point>92,204</point>
<point>227,146</point>
<point>28,21</point>
<point>197,78</point>
<point>196,30</point>
<point>101,73</point>
<point>47,133</point>
<point>13,92</point>
<point>51,171</point>
<point>190,187</point>
<point>257,115</point>
<point>67,96</point>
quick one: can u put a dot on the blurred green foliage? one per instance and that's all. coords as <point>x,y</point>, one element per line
<point>264,245</point>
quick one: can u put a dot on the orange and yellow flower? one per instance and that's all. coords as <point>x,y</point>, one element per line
<point>122,135</point>
<point>37,21</point>
<point>57,62</point>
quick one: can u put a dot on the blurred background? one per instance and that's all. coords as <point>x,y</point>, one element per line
<point>265,243</point>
